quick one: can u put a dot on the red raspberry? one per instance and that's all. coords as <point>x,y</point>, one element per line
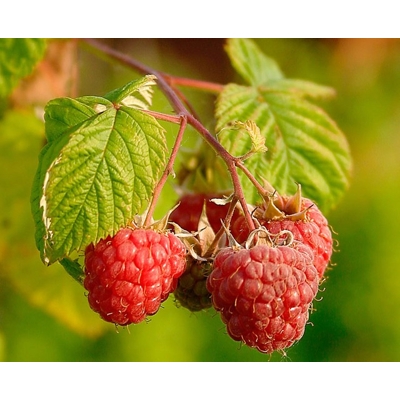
<point>312,230</point>
<point>188,213</point>
<point>264,293</point>
<point>129,275</point>
<point>191,292</point>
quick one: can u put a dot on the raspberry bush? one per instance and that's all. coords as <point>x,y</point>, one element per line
<point>237,238</point>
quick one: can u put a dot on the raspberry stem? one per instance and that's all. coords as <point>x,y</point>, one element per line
<point>261,190</point>
<point>194,83</point>
<point>168,170</point>
<point>181,110</point>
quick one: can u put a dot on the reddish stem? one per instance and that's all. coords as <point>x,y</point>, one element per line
<point>194,83</point>
<point>182,111</point>
<point>230,162</point>
<point>168,170</point>
<point>164,117</point>
<point>185,101</point>
<point>261,190</point>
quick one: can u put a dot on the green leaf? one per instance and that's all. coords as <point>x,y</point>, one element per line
<point>304,143</point>
<point>251,130</point>
<point>251,63</point>
<point>18,57</point>
<point>64,113</point>
<point>137,94</point>
<point>94,177</point>
<point>302,88</point>
<point>47,157</point>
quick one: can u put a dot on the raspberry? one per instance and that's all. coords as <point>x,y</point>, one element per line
<point>187,214</point>
<point>191,292</point>
<point>129,275</point>
<point>311,229</point>
<point>264,293</point>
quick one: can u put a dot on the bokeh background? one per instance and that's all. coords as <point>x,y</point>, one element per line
<point>44,315</point>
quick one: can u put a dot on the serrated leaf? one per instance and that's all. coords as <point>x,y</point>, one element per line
<point>18,58</point>
<point>259,70</point>
<point>251,63</point>
<point>47,156</point>
<point>64,113</point>
<point>137,94</point>
<point>304,144</point>
<point>95,177</point>
<point>302,88</point>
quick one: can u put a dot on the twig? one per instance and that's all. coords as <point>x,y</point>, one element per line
<point>194,84</point>
<point>168,170</point>
<point>182,111</point>
<point>261,190</point>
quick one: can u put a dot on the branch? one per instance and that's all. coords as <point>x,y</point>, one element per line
<point>182,111</point>
<point>194,84</point>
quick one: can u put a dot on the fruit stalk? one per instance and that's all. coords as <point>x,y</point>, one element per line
<point>168,170</point>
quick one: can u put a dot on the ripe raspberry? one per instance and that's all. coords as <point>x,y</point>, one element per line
<point>129,275</point>
<point>264,293</point>
<point>311,229</point>
<point>191,291</point>
<point>187,214</point>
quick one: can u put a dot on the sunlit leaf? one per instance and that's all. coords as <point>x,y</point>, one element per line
<point>95,176</point>
<point>304,144</point>
<point>302,88</point>
<point>64,113</point>
<point>251,130</point>
<point>251,63</point>
<point>136,94</point>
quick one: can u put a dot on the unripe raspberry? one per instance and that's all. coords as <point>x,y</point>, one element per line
<point>191,292</point>
<point>129,275</point>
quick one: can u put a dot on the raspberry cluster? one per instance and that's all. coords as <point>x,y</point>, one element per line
<point>262,282</point>
<point>264,290</point>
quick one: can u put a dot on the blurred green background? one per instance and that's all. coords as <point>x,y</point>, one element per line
<point>44,315</point>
